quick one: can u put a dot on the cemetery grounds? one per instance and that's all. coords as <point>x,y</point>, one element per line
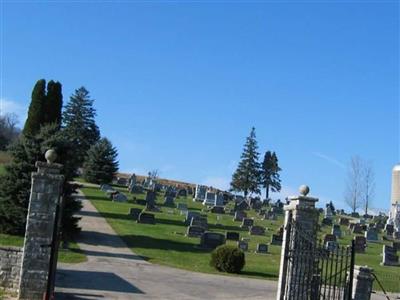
<point>166,242</point>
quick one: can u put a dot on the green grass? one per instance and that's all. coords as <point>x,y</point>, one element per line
<point>2,169</point>
<point>165,243</point>
<point>71,255</point>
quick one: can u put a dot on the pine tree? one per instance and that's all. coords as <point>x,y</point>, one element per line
<point>247,175</point>
<point>79,124</point>
<point>36,109</point>
<point>270,169</point>
<point>53,103</point>
<point>101,162</point>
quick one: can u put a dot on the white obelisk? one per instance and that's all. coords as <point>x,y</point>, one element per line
<point>394,214</point>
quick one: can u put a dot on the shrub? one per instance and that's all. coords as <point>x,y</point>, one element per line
<point>227,258</point>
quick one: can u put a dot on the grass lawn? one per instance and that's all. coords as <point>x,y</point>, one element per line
<point>165,243</point>
<point>2,169</point>
<point>71,255</point>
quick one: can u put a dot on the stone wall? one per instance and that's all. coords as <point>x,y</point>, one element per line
<point>10,266</point>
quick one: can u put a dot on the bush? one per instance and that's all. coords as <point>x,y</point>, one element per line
<point>227,258</point>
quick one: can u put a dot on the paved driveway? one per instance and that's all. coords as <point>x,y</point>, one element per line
<point>114,272</point>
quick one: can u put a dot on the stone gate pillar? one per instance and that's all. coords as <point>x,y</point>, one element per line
<point>299,240</point>
<point>45,195</point>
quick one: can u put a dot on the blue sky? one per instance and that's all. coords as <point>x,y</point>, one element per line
<point>178,85</point>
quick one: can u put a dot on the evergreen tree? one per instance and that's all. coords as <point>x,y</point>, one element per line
<point>247,175</point>
<point>101,162</point>
<point>36,110</point>
<point>270,169</point>
<point>79,124</point>
<point>53,103</point>
<point>45,108</point>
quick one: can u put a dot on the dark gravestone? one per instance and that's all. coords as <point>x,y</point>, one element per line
<point>169,201</point>
<point>241,206</point>
<point>329,238</point>
<point>390,257</point>
<point>262,248</point>
<point>270,216</point>
<point>337,231</point>
<point>232,235</point>
<point>141,202</point>
<point>146,218</point>
<point>396,235</point>
<point>389,229</point>
<point>199,221</point>
<point>182,193</point>
<point>120,197</point>
<point>261,212</point>
<point>239,215</point>
<point>396,245</point>
<point>195,231</point>
<point>247,222</point>
<point>327,221</point>
<point>243,245</point>
<point>150,200</point>
<point>257,230</point>
<point>182,206</point>
<point>360,243</point>
<point>217,210</point>
<point>134,213</point>
<point>357,229</point>
<point>276,239</point>
<point>211,240</point>
<point>331,246</point>
<point>137,189</point>
<point>190,215</point>
<point>344,221</point>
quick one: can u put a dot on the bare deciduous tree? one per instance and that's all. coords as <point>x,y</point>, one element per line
<point>353,190</point>
<point>368,188</point>
<point>8,129</point>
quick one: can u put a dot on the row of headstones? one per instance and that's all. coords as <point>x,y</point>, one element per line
<point>113,194</point>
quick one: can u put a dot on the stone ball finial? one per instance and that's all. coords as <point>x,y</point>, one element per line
<point>50,156</point>
<point>304,190</point>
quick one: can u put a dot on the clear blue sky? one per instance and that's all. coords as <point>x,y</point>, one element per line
<point>177,86</point>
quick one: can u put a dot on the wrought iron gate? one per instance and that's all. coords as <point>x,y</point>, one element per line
<point>314,271</point>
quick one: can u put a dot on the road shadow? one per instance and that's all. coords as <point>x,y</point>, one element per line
<point>94,280</point>
<point>108,254</point>
<point>259,274</point>
<point>77,296</point>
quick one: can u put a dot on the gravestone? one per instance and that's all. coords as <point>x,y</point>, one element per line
<point>331,246</point>
<point>182,193</point>
<point>257,230</point>
<point>371,235</point>
<point>396,235</point>
<point>146,218</point>
<point>276,239</point>
<point>390,257</point>
<point>337,231</point>
<point>212,240</point>
<point>106,187</point>
<point>200,193</point>
<point>150,200</point>
<point>357,229</point>
<point>329,238</point>
<point>190,215</point>
<point>137,189</point>
<point>389,229</point>
<point>277,210</point>
<point>396,245</point>
<point>243,245</point>
<point>199,221</point>
<point>182,206</point>
<point>141,202</point>
<point>232,235</point>
<point>195,231</point>
<point>247,222</point>
<point>344,221</point>
<point>262,248</point>
<point>217,210</point>
<point>219,200</point>
<point>360,243</point>
<point>239,215</point>
<point>327,221</point>
<point>134,213</point>
<point>120,197</point>
<point>210,199</point>
<point>169,201</point>
<point>270,216</point>
<point>328,212</point>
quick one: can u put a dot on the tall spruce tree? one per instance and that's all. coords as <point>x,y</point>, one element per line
<point>247,175</point>
<point>270,177</point>
<point>101,163</point>
<point>79,124</point>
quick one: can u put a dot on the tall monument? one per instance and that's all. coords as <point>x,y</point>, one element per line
<point>394,213</point>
